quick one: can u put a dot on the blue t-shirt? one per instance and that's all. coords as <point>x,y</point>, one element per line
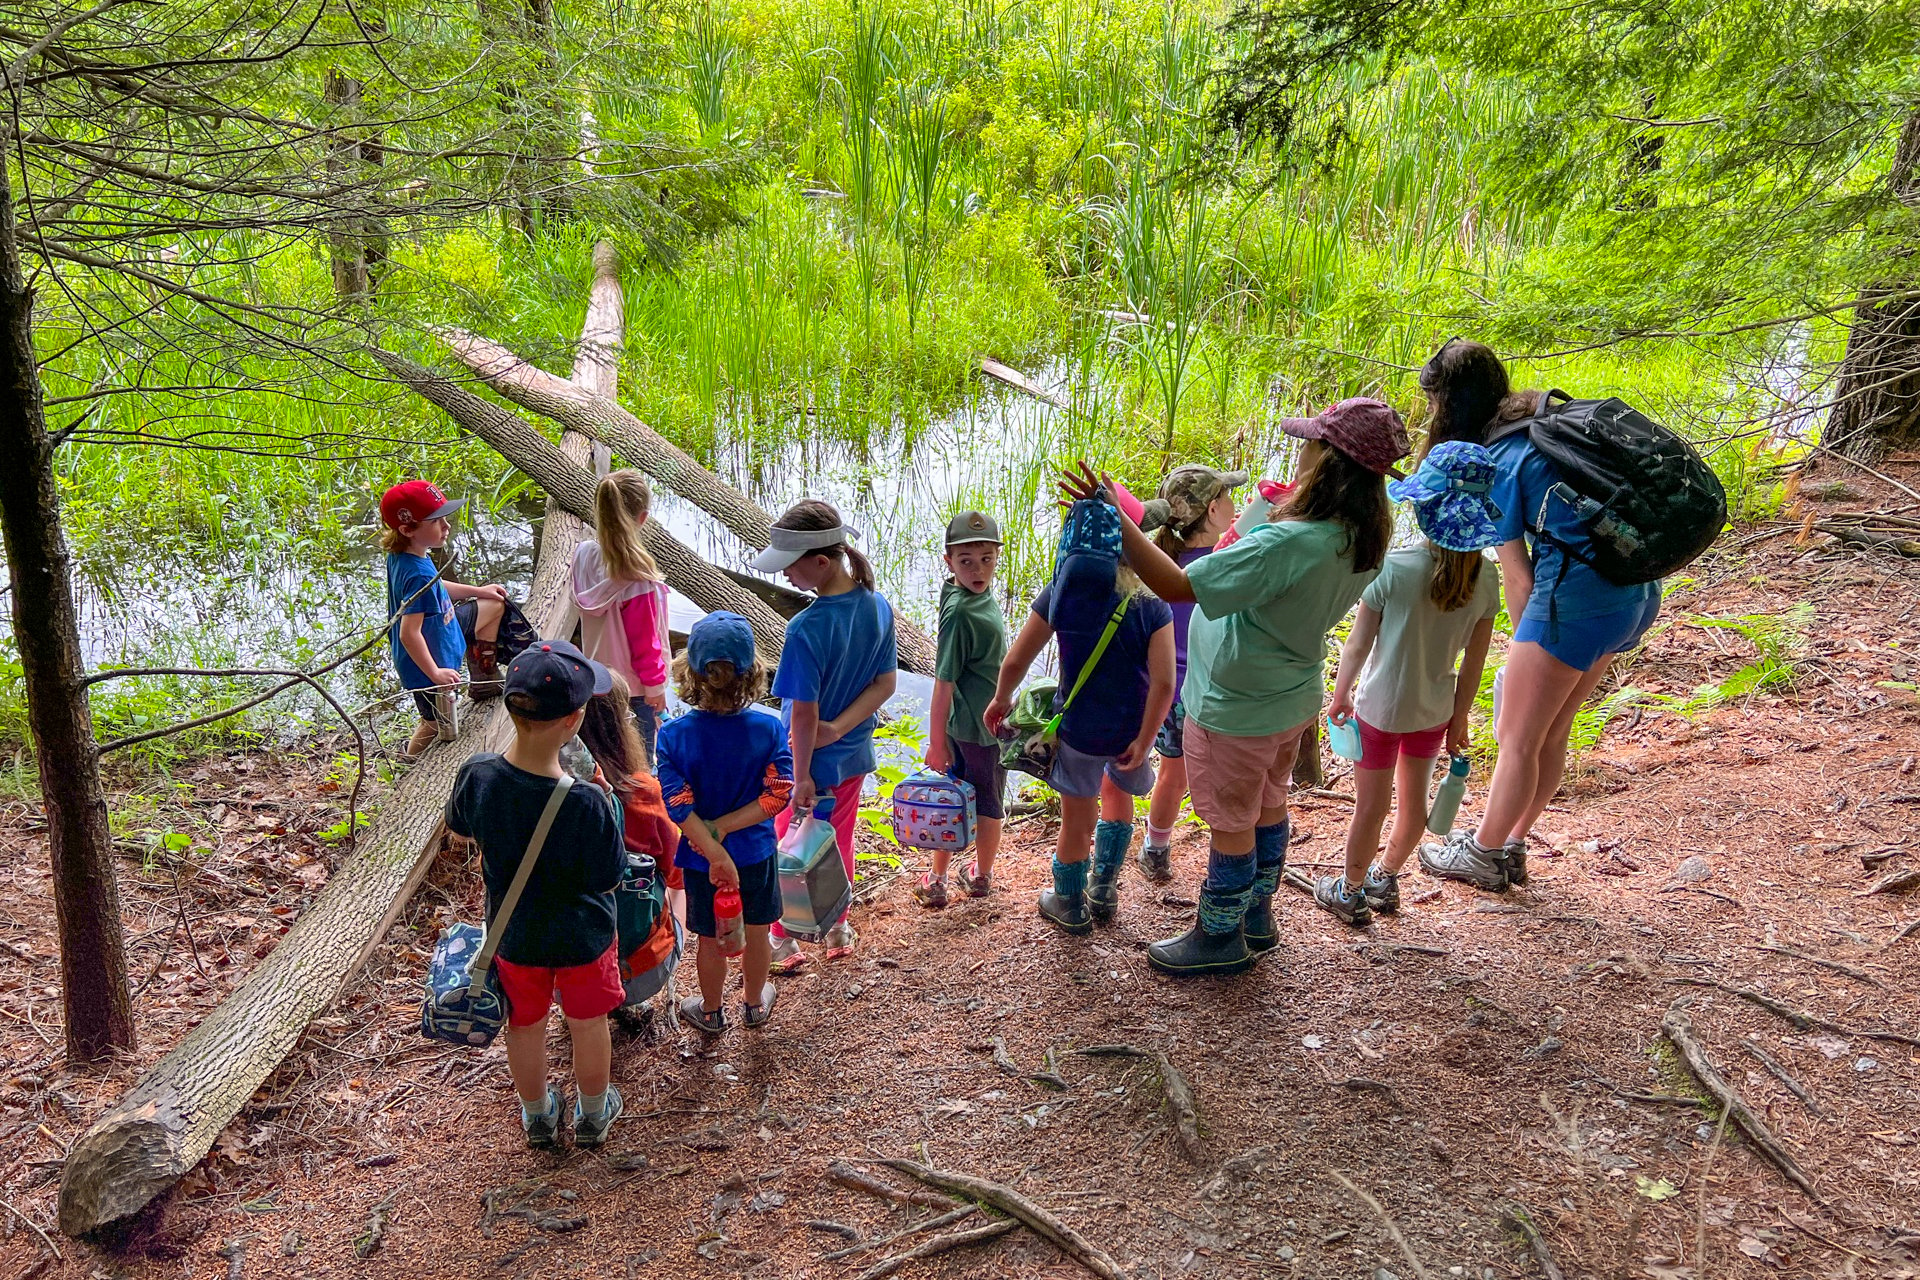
<point>836,647</point>
<point>1105,718</point>
<point>711,764</point>
<point>1523,490</point>
<point>406,574</point>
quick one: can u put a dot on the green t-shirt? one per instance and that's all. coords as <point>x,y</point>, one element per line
<point>973,640</point>
<point>1259,632</point>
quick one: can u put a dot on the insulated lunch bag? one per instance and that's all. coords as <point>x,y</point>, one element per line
<point>1646,496</point>
<point>934,811</point>
<point>814,889</point>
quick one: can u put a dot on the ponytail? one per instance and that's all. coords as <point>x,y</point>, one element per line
<point>813,514</point>
<point>620,505</point>
<point>1455,575</point>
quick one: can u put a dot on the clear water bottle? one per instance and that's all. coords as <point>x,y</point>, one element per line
<point>1266,495</point>
<point>729,922</point>
<point>1446,801</point>
<point>577,760</point>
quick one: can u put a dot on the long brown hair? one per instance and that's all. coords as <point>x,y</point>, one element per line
<point>813,514</point>
<point>609,733</point>
<point>1455,575</point>
<point>1466,383</point>
<point>620,504</point>
<point>1331,486</point>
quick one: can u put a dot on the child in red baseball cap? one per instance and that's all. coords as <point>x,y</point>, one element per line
<point>431,634</point>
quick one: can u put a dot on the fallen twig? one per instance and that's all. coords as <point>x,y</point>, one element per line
<point>1781,1074</point>
<point>1386,1220</point>
<point>1679,1030</point>
<point>856,1180</point>
<point>377,1221</point>
<point>1002,1059</point>
<point>1801,1019</point>
<point>931,1224</point>
<point>836,1228</point>
<point>1517,1217</point>
<point>1898,882</point>
<point>1835,965</point>
<point>1907,930</point>
<point>1009,1201</point>
<point>937,1245</point>
<point>1377,1086</point>
<point>36,1228</point>
<point>1181,1103</point>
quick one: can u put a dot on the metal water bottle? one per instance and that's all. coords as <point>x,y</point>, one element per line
<point>1446,801</point>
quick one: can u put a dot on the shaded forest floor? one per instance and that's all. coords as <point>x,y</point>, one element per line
<point>1472,1053</point>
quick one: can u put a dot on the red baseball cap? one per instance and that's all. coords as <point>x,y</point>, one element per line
<point>1366,430</point>
<point>415,502</point>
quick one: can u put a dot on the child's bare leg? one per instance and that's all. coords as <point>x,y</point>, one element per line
<point>1372,797</point>
<point>486,618</point>
<point>712,966</point>
<point>941,859</point>
<point>987,845</point>
<point>1411,780</point>
<point>754,965</point>
<point>1077,816</point>
<point>527,1063</point>
<point>1169,789</point>
<point>592,1054</point>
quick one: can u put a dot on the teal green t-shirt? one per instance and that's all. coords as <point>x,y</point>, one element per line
<point>973,640</point>
<point>1258,637</point>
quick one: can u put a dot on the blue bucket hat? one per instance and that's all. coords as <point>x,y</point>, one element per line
<point>1449,496</point>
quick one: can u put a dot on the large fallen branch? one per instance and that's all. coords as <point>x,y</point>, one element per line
<point>1010,1202</point>
<point>1679,1030</point>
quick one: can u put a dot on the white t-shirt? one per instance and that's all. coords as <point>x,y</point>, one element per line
<point>1409,681</point>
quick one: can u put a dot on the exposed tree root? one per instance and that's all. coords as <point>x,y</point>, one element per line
<point>1007,1200</point>
<point>1679,1029</point>
<point>1780,1073</point>
<point>1386,1220</point>
<point>939,1244</point>
<point>1181,1103</point>
<point>1801,1019</point>
<point>1517,1217</point>
<point>931,1224</point>
<point>858,1180</point>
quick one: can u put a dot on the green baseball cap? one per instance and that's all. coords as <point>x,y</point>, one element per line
<point>972,526</point>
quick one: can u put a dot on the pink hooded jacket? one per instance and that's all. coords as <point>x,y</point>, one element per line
<point>622,624</point>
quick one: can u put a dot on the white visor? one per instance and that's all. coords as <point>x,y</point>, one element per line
<point>788,545</point>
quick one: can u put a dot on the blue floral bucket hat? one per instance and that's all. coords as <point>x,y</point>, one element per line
<point>1449,496</point>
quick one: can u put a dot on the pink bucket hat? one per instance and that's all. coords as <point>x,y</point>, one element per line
<point>1368,431</point>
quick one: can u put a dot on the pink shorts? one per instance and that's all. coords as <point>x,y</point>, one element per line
<point>1232,779</point>
<point>1381,750</point>
<point>586,991</point>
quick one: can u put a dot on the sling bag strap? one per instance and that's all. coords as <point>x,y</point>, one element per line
<point>497,927</point>
<point>1093,659</point>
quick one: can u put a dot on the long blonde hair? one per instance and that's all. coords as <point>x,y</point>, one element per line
<point>620,505</point>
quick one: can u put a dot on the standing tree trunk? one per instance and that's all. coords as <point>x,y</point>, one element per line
<point>1877,393</point>
<point>86,898</point>
<point>357,240</point>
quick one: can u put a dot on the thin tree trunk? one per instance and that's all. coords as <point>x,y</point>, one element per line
<point>86,896</point>
<point>1877,391</point>
<point>346,247</point>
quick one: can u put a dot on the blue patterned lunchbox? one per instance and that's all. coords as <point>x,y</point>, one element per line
<point>934,811</point>
<point>457,1008</point>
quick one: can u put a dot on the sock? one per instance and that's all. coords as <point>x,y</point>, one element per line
<point>1378,875</point>
<point>593,1106</point>
<point>1110,841</point>
<point>1159,837</point>
<point>1482,849</point>
<point>1069,878</point>
<point>1224,894</point>
<point>545,1110</point>
<point>1270,853</point>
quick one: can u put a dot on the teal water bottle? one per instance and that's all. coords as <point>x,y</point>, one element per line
<point>1446,801</point>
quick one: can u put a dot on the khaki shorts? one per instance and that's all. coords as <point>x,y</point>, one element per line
<point>1232,779</point>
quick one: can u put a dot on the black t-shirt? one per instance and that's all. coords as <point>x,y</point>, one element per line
<point>1105,718</point>
<point>565,916</point>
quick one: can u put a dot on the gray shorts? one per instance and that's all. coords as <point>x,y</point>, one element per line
<point>980,765</point>
<point>1075,773</point>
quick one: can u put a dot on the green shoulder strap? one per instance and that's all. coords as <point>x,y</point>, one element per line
<point>1093,660</point>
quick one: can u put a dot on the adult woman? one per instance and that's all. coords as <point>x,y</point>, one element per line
<point>1255,648</point>
<point>1569,622</point>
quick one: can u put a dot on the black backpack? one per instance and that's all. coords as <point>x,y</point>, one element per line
<point>1649,500</point>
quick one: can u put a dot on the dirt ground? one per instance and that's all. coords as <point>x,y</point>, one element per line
<point>1369,1101</point>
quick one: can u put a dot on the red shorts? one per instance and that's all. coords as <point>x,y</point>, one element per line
<point>1381,750</point>
<point>586,991</point>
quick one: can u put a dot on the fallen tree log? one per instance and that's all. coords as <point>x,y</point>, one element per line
<point>569,484</point>
<point>605,418</point>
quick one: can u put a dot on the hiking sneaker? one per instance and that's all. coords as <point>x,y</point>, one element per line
<point>786,955</point>
<point>1459,858</point>
<point>543,1130</point>
<point>1350,905</point>
<point>1103,894</point>
<point>483,670</point>
<point>1382,889</point>
<point>931,891</point>
<point>970,881</point>
<point>1260,930</point>
<point>1069,913</point>
<point>589,1131</point>
<point>1515,852</point>
<point>694,1012</point>
<point>1156,862</point>
<point>1198,954</point>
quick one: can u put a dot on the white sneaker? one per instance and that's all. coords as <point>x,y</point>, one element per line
<point>787,955</point>
<point>840,937</point>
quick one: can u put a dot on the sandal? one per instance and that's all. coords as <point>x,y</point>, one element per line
<point>971,882</point>
<point>694,1012</point>
<point>757,1014</point>
<point>787,956</point>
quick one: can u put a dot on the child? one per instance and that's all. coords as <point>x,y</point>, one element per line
<point>432,634</point>
<point>1106,733</point>
<point>836,670</point>
<point>1428,604</point>
<point>610,735</point>
<point>622,601</point>
<point>561,938</point>
<point>1192,510</point>
<point>1254,654</point>
<point>972,641</point>
<point>726,772</point>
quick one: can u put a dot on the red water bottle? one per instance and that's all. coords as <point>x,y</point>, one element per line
<point>729,928</point>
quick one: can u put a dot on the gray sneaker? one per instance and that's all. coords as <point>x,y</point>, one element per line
<point>544,1131</point>
<point>1156,861</point>
<point>591,1132</point>
<point>1459,858</point>
<point>1515,852</point>
<point>1351,906</point>
<point>1382,889</point>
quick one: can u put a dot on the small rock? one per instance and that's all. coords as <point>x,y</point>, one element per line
<point>853,992</point>
<point>1286,1253</point>
<point>1692,870</point>
<point>1456,1271</point>
<point>1487,1273</point>
<point>1384,1274</point>
<point>1314,1042</point>
<point>1866,1064</point>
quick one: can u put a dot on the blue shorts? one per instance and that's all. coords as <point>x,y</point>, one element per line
<point>759,896</point>
<point>1171,741</point>
<point>1581,642</point>
<point>1075,773</point>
